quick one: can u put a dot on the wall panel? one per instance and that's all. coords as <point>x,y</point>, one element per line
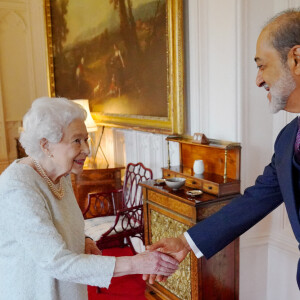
<point>17,73</point>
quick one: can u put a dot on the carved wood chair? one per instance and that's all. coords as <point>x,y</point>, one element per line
<point>111,223</point>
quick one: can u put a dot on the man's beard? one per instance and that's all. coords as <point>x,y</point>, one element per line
<point>281,91</point>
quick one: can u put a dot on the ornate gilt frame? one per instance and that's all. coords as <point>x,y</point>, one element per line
<point>174,123</point>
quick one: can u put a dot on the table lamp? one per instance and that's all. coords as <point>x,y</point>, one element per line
<point>90,124</point>
<point>91,127</point>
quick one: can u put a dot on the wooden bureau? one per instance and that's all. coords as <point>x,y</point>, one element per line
<point>169,213</point>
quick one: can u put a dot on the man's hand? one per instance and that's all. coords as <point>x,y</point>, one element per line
<point>178,248</point>
<point>175,247</point>
<point>91,247</point>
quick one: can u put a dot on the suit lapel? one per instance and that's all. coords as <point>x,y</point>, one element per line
<point>284,151</point>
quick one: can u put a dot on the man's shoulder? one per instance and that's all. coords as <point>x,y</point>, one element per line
<point>288,129</point>
<point>292,123</point>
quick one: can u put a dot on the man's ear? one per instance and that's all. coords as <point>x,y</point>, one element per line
<point>295,56</point>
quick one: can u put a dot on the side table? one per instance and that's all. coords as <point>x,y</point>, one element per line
<point>96,180</point>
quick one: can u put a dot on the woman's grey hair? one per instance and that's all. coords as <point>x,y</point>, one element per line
<point>47,118</point>
<point>285,31</point>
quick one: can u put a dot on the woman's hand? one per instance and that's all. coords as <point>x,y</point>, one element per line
<point>178,248</point>
<point>148,262</point>
<point>91,247</point>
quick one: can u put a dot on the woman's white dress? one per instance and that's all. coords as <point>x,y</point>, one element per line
<point>42,241</point>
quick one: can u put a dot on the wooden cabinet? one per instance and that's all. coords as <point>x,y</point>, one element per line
<point>221,164</point>
<point>96,180</point>
<point>169,213</point>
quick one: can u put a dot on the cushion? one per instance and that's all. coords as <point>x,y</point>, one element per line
<point>95,227</point>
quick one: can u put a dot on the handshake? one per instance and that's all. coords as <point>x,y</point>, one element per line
<point>163,258</point>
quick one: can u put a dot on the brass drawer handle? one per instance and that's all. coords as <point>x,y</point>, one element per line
<point>194,182</point>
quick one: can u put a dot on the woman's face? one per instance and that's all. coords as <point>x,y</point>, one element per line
<point>70,153</point>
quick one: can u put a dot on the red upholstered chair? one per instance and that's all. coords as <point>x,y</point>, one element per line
<point>113,227</point>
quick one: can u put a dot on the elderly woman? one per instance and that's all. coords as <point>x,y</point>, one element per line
<point>43,251</point>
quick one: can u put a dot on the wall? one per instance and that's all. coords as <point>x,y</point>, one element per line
<point>222,101</point>
<point>22,68</point>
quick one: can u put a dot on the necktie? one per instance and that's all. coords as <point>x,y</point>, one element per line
<point>297,144</point>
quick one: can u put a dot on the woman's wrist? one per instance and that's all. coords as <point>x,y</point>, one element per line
<point>88,237</point>
<point>124,266</point>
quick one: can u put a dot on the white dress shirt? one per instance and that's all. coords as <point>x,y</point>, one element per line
<point>195,249</point>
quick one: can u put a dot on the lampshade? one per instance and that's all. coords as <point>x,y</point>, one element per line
<point>89,121</point>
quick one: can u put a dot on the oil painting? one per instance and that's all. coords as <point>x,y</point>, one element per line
<point>119,54</point>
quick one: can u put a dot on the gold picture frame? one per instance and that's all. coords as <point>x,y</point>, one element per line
<point>172,122</point>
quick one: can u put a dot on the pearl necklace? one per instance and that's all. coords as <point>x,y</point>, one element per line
<point>57,192</point>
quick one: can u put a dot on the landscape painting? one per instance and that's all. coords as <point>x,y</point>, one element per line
<point>116,53</point>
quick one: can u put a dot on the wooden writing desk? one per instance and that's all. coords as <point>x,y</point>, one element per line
<point>169,213</point>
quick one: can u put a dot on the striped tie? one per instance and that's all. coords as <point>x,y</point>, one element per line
<point>297,144</point>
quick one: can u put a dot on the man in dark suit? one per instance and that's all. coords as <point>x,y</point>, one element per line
<point>278,61</point>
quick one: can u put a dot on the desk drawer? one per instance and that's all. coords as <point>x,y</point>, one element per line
<point>193,183</point>
<point>210,188</point>
<point>168,174</point>
<point>172,204</point>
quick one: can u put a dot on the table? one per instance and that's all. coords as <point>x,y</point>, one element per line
<point>96,180</point>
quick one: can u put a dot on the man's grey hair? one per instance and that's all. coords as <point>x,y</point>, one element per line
<point>47,118</point>
<point>285,31</point>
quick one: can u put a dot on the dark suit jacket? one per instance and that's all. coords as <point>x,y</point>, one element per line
<point>271,188</point>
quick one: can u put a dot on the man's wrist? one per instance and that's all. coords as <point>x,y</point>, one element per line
<point>185,243</point>
<point>192,245</point>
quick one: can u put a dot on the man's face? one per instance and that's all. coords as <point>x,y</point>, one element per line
<point>272,74</point>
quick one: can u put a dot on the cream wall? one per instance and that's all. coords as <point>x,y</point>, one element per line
<point>222,101</point>
<point>23,75</point>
